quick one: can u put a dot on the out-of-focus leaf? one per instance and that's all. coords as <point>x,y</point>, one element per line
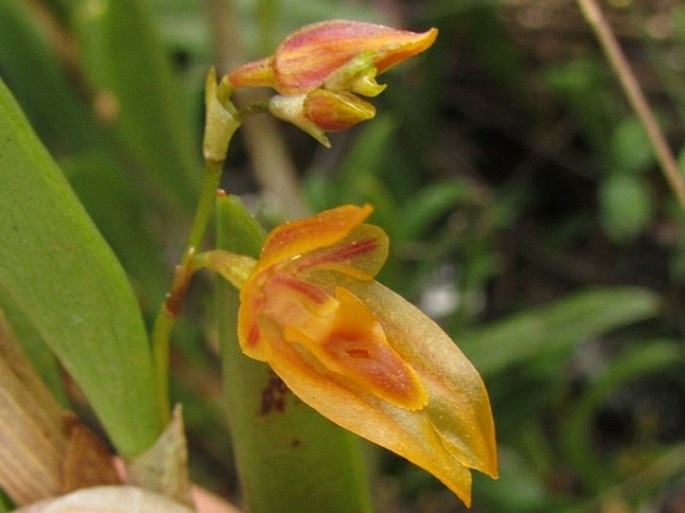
<point>33,70</point>
<point>678,21</point>
<point>641,360</point>
<point>357,179</point>
<point>625,206</point>
<point>583,86</point>
<point>429,204</point>
<point>279,440</point>
<point>5,503</point>
<point>555,327</point>
<point>519,489</point>
<point>57,269</point>
<point>134,87</point>
<point>630,148</point>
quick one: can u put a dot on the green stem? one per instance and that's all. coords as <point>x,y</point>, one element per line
<point>205,205</point>
<point>171,307</point>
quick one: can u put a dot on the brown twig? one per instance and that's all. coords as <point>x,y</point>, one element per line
<point>595,18</point>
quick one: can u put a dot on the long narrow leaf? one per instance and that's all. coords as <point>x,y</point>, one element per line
<point>556,326</point>
<point>57,269</point>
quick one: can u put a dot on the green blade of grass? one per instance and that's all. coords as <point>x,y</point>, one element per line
<point>289,457</point>
<point>556,326</point>
<point>56,268</point>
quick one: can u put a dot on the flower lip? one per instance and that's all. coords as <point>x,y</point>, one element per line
<point>305,58</point>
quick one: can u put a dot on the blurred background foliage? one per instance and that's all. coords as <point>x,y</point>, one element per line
<point>523,202</point>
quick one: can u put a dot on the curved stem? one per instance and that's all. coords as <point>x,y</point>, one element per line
<point>171,306</point>
<point>636,97</point>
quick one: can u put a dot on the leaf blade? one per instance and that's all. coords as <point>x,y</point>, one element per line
<point>58,270</point>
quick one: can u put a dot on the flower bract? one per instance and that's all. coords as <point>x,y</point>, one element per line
<point>359,353</point>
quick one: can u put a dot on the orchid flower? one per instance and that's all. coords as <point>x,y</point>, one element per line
<point>320,69</point>
<point>360,354</point>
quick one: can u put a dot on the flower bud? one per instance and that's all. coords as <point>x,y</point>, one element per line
<point>321,111</point>
<point>305,58</point>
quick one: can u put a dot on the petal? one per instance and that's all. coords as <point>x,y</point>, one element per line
<point>361,255</point>
<point>452,433</point>
<point>253,74</point>
<point>305,58</point>
<point>460,407</point>
<point>289,241</point>
<point>351,343</point>
<point>291,110</point>
<point>333,112</point>
<point>298,237</point>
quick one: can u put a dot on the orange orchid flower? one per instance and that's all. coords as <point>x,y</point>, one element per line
<point>318,69</point>
<point>360,354</point>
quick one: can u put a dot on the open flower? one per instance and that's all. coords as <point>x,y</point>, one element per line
<point>340,56</point>
<point>360,354</point>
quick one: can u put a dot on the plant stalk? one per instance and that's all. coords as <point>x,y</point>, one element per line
<point>669,166</point>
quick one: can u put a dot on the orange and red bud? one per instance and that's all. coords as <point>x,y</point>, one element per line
<point>338,56</point>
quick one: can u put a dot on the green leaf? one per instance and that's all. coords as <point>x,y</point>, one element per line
<point>430,203</point>
<point>644,359</point>
<point>626,206</point>
<point>32,69</point>
<point>121,212</point>
<point>630,148</point>
<point>56,268</point>
<point>127,67</point>
<point>289,457</point>
<point>5,503</point>
<point>555,327</point>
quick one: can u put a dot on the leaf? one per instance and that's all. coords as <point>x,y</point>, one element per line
<point>32,68</point>
<point>644,359</point>
<point>630,148</point>
<point>289,457</point>
<point>626,206</point>
<point>556,327</point>
<point>125,63</point>
<point>56,268</point>
<point>163,468</point>
<point>33,441</point>
<point>430,203</point>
